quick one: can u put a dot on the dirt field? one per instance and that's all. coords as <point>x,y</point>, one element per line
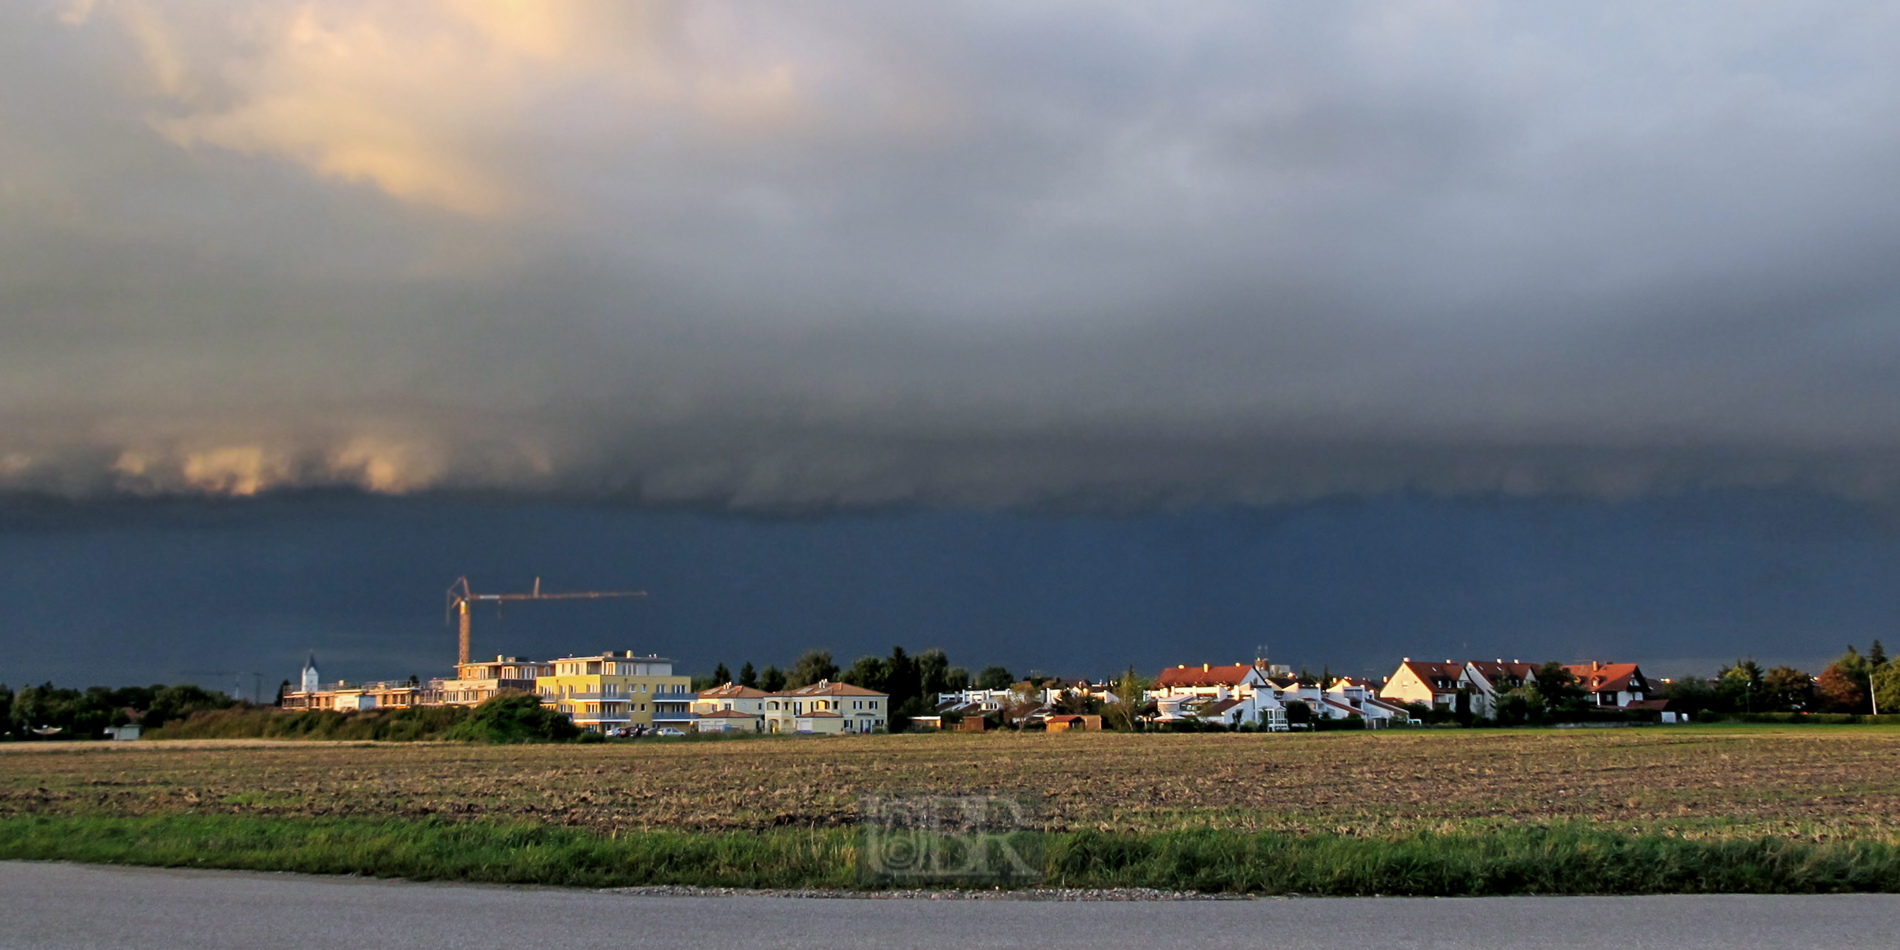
<point>1813,783</point>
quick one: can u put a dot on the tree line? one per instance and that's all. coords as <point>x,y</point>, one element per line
<point>1856,682</point>
<point>48,711</point>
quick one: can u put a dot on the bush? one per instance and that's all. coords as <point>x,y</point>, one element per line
<point>512,718</point>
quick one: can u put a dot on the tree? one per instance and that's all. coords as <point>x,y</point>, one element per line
<point>956,679</point>
<point>813,666</point>
<point>1558,687</point>
<point>721,675</point>
<point>1689,695</point>
<point>1122,714</point>
<point>870,672</point>
<point>1843,685</point>
<point>994,677</point>
<point>1786,689</point>
<point>901,680</point>
<point>771,680</point>
<point>1298,713</point>
<point>1740,687</point>
<point>1886,683</point>
<point>933,673</point>
<point>1876,656</point>
<point>6,709</point>
<point>747,676</point>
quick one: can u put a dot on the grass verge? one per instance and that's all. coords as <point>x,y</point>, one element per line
<point>1537,860</point>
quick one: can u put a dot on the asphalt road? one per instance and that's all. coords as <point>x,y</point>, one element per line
<point>76,907</point>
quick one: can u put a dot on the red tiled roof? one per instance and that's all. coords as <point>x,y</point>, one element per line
<point>1198,676</point>
<point>1344,706</point>
<point>1604,678</point>
<point>1216,709</point>
<point>828,688</point>
<point>733,691</point>
<point>728,714</point>
<point>821,714</point>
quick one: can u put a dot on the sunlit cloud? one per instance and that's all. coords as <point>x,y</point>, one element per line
<point>844,254</point>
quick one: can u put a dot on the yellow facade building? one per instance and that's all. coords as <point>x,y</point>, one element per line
<point>618,691</point>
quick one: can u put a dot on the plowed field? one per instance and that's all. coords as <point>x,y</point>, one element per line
<point>1814,783</point>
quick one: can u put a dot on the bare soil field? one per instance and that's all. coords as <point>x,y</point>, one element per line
<point>1809,783</point>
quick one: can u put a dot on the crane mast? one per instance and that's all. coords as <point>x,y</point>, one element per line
<point>461,596</point>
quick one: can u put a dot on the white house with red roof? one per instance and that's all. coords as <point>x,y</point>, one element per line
<point>1611,684</point>
<point>1425,682</point>
<point>1230,695</point>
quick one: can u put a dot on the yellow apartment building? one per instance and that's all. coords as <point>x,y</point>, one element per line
<point>618,690</point>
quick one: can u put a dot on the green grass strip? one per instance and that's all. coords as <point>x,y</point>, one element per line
<point>1538,860</point>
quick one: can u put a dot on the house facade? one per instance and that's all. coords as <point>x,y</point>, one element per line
<point>476,683</point>
<point>1427,683</point>
<point>617,690</point>
<point>823,708</point>
<point>1611,685</point>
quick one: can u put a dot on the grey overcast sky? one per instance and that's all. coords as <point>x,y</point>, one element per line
<point>1011,261</point>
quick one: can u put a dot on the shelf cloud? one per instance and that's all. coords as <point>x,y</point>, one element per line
<point>839,255</point>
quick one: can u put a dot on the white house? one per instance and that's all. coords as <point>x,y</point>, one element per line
<point>1489,679</point>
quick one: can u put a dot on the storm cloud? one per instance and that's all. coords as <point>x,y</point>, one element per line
<point>862,254</point>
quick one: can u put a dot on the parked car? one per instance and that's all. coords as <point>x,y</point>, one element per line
<point>667,731</point>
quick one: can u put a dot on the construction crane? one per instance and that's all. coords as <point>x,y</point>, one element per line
<point>461,596</point>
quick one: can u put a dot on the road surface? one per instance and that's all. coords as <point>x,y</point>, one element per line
<point>78,907</point>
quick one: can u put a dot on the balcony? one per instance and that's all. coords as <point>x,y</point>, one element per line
<point>675,717</point>
<point>594,697</point>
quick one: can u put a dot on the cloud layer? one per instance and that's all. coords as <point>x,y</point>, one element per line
<point>845,254</point>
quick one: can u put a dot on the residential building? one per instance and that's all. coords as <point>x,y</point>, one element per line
<point>618,690</point>
<point>345,697</point>
<point>730,707</point>
<point>827,707</point>
<point>478,682</point>
<point>1611,684</point>
<point>1426,683</point>
<point>823,707</point>
<point>1489,679</point>
<point>1229,695</point>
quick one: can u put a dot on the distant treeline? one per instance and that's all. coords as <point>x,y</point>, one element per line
<point>50,712</point>
<point>1849,686</point>
<point>508,718</point>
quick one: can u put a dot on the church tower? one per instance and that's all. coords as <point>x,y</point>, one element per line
<point>310,673</point>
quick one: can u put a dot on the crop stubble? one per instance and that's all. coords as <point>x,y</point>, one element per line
<point>1808,783</point>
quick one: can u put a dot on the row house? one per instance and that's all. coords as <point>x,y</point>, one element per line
<point>1227,695</point>
<point>1438,684</point>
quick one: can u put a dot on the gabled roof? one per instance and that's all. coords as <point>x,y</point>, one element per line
<point>1215,709</point>
<point>733,691</point>
<point>1428,672</point>
<point>820,714</point>
<point>1339,705</point>
<point>728,714</point>
<point>1493,670</point>
<point>1607,677</point>
<point>1204,675</point>
<point>828,688</point>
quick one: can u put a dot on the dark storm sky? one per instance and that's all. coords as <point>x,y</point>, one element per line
<point>1102,284</point>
